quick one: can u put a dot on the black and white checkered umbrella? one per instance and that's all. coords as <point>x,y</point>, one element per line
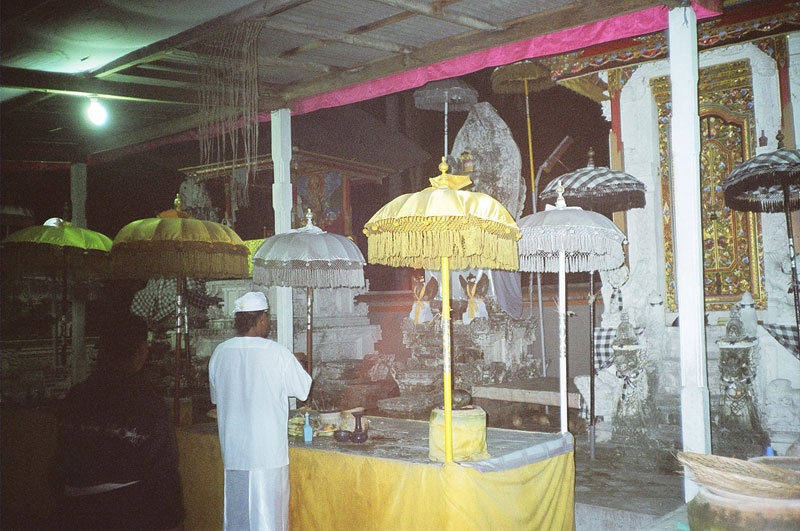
<point>769,182</point>
<point>598,188</point>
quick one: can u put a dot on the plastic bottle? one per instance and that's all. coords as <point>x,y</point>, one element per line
<point>308,431</point>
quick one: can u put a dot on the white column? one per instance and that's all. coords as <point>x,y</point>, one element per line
<point>685,138</point>
<point>77,188</point>
<point>282,205</point>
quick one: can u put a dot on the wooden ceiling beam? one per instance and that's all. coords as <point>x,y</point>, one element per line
<point>569,16</point>
<point>437,12</point>
<point>263,62</point>
<point>157,50</point>
<point>77,85</point>
<point>337,36</point>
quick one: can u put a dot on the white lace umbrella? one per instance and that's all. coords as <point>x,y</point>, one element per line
<point>567,240</point>
<point>596,188</point>
<point>308,257</point>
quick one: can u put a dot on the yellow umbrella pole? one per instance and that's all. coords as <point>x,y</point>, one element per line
<point>448,401</point>
<point>530,146</point>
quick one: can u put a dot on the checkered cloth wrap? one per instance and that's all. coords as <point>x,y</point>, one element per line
<point>603,346</point>
<point>157,301</point>
<point>786,335</point>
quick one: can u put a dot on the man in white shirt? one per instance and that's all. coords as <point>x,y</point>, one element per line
<point>251,380</point>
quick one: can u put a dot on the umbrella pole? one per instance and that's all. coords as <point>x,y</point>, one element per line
<point>591,365</point>
<point>448,401</point>
<point>176,404</point>
<point>795,288</point>
<point>533,209</point>
<point>562,338</point>
<point>309,322</point>
<point>530,145</point>
<point>445,125</point>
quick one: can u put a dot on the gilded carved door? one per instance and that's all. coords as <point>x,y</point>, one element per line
<point>732,252</point>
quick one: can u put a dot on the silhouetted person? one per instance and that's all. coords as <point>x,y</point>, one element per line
<point>116,462</point>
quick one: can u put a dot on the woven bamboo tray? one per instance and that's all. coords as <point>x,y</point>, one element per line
<point>742,477</point>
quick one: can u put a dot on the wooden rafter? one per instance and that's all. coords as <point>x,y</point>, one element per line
<point>438,12</point>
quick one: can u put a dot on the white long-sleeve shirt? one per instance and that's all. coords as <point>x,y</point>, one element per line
<point>251,381</point>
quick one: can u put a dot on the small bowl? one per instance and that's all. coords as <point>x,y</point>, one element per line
<point>342,435</point>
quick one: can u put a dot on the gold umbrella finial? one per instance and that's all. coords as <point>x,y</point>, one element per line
<point>590,164</point>
<point>448,180</point>
<point>779,137</point>
<point>177,202</point>
<point>309,217</point>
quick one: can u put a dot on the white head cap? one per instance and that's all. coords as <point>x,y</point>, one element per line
<point>252,301</point>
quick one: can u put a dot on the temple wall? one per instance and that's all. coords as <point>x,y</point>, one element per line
<point>640,144</point>
<point>640,136</point>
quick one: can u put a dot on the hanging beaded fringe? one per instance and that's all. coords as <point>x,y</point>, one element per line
<point>465,248</point>
<point>349,276</point>
<point>199,260</point>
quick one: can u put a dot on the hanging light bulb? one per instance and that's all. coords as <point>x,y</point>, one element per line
<point>96,112</point>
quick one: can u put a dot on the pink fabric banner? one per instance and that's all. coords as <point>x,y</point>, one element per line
<point>631,25</point>
<point>625,26</point>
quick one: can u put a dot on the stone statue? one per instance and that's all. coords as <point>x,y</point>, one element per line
<point>747,314</point>
<point>734,329</point>
<point>423,295</point>
<point>475,290</point>
<point>626,335</point>
<point>737,373</point>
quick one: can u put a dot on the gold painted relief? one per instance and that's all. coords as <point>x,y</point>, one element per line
<point>732,250</point>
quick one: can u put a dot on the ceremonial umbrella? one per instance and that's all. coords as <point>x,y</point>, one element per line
<point>600,189</point>
<point>175,245</point>
<point>769,182</point>
<point>522,78</point>
<point>308,257</point>
<point>446,95</point>
<point>54,249</point>
<point>442,227</point>
<point>566,240</point>
<point>597,188</point>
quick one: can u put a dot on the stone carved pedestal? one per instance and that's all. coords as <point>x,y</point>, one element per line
<point>485,351</point>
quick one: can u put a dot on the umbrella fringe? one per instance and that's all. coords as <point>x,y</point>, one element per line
<point>575,262</point>
<point>424,249</point>
<point>598,250</point>
<point>308,277</point>
<point>133,262</point>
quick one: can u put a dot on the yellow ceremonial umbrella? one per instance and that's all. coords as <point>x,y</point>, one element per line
<point>175,245</point>
<point>444,226</point>
<point>57,249</point>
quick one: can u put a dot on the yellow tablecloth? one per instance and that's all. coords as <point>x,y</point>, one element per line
<point>337,492</point>
<point>346,486</point>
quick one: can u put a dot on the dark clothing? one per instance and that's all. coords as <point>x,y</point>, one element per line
<point>115,429</point>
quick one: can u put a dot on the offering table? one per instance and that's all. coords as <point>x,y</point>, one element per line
<point>389,483</point>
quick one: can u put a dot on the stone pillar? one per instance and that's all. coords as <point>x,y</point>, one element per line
<point>685,139</point>
<point>77,188</point>
<point>282,204</point>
